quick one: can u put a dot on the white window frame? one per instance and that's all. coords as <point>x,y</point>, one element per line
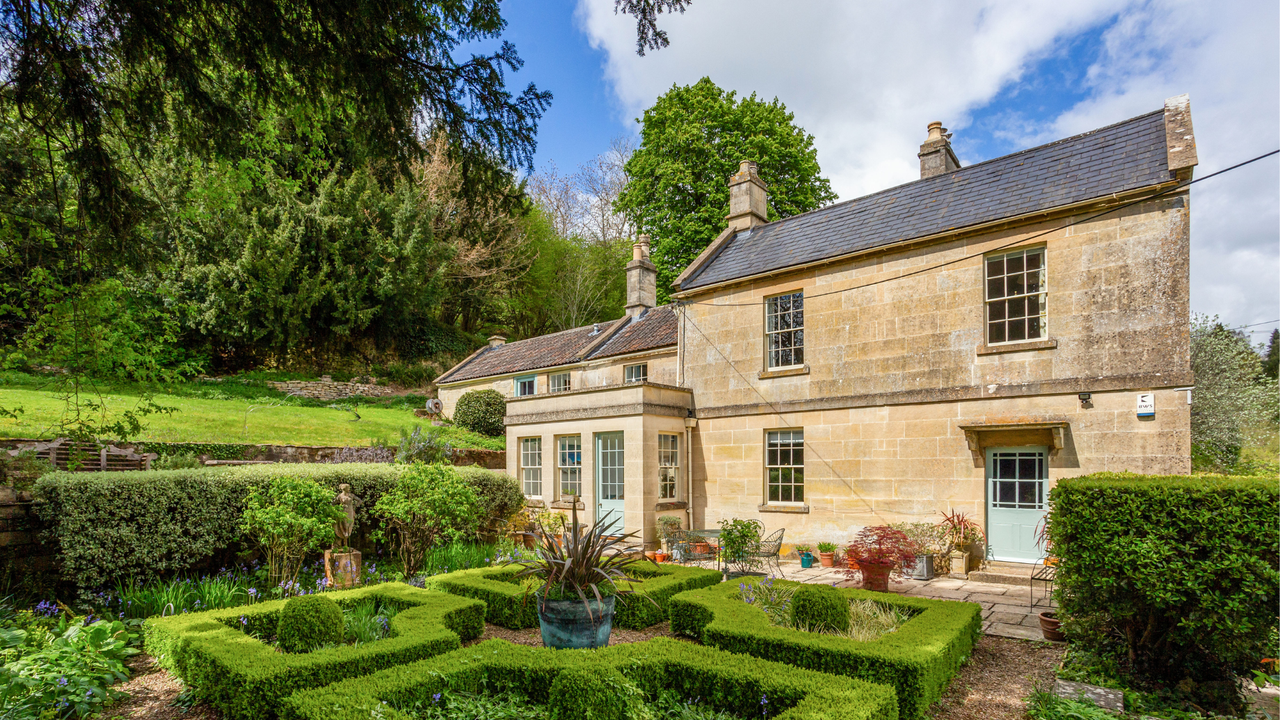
<point>1001,305</point>
<point>568,473</point>
<point>531,466</point>
<point>792,334</point>
<point>629,372</point>
<point>533,385</point>
<point>668,466</point>
<point>780,448</point>
<point>559,382</point>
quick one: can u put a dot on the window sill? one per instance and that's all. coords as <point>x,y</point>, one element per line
<point>1047,344</point>
<point>534,501</point>
<point>784,372</point>
<point>565,505</point>
<point>798,509</point>
<point>670,505</point>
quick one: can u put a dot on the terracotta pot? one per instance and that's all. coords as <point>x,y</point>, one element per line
<point>702,548</point>
<point>1050,626</point>
<point>827,559</point>
<point>652,555</point>
<point>1051,561</point>
<point>662,557</point>
<point>875,577</point>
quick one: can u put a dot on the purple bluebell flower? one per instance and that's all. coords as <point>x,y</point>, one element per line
<point>62,682</point>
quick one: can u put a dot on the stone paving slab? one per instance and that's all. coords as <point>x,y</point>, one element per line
<point>1105,698</point>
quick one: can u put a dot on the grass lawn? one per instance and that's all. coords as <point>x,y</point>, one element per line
<point>263,420</point>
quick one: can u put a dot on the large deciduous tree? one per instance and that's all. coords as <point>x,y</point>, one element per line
<point>1234,402</point>
<point>692,140</point>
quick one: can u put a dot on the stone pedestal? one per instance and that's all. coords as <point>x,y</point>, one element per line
<point>959,564</point>
<point>342,569</point>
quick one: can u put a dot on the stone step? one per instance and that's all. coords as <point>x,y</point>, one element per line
<point>1005,573</point>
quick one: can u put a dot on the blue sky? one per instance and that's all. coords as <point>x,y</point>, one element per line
<point>1003,75</point>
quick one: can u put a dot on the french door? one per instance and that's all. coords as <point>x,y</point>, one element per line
<point>1016,501</point>
<point>610,476</point>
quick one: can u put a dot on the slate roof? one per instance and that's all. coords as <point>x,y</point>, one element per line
<point>1125,156</point>
<point>655,329</point>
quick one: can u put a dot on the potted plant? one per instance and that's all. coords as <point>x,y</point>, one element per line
<point>668,528</point>
<point>964,540</point>
<point>580,575</point>
<point>1051,626</point>
<point>878,552</point>
<point>827,554</point>
<point>739,546</point>
<point>806,555</point>
<point>931,542</point>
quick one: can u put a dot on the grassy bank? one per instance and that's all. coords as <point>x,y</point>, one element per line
<point>269,418</point>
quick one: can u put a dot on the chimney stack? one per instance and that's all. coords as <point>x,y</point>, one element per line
<point>642,279</point>
<point>497,341</point>
<point>748,198</point>
<point>936,157</point>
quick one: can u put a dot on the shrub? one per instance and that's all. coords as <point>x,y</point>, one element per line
<point>123,526</point>
<point>179,461</point>
<point>482,411</point>
<point>419,447</point>
<point>743,686</point>
<point>739,539</point>
<point>1176,576</point>
<point>918,660</point>
<point>71,670</point>
<point>818,607</point>
<point>593,694</point>
<point>880,546</point>
<point>290,518</point>
<point>216,655</point>
<point>427,506</point>
<point>510,605</point>
<point>499,496</point>
<point>309,622</point>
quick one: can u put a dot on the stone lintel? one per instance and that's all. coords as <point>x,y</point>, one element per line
<point>1054,431</point>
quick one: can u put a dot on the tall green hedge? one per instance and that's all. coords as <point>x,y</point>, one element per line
<point>743,686</point>
<point>918,660</point>
<point>215,654</point>
<point>141,525</point>
<point>510,606</point>
<point>1175,576</point>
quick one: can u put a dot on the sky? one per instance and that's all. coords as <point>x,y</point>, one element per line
<point>865,78</point>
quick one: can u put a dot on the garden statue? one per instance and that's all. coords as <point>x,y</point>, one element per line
<point>342,564</point>
<point>344,526</point>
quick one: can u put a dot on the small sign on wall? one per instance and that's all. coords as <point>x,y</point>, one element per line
<point>1146,404</point>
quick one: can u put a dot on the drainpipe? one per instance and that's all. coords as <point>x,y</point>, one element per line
<point>689,424</point>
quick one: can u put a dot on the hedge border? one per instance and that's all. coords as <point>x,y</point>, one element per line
<point>729,682</point>
<point>247,678</point>
<point>511,607</point>
<point>918,660</point>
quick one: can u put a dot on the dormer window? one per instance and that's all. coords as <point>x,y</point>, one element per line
<point>784,330</point>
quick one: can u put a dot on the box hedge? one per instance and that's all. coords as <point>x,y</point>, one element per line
<point>736,684</point>
<point>1175,575</point>
<point>215,653</point>
<point>118,526</point>
<point>917,661</point>
<point>511,606</point>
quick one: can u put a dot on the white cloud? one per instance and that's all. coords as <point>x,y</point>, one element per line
<point>865,77</point>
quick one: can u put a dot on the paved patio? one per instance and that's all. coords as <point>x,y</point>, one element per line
<point>1006,609</point>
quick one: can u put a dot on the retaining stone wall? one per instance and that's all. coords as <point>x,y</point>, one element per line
<point>325,389</point>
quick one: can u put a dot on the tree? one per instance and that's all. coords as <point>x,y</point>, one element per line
<point>1271,360</point>
<point>1232,401</point>
<point>692,141</point>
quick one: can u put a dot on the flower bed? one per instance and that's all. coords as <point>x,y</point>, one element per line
<point>917,660</point>
<point>599,683</point>
<point>216,651</point>
<point>511,606</point>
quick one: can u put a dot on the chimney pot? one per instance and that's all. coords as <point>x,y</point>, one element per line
<point>642,279</point>
<point>936,155</point>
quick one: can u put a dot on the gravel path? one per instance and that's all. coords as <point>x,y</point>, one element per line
<point>151,693</point>
<point>1001,672</point>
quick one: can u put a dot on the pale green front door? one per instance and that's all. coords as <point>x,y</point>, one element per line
<point>610,477</point>
<point>1016,497</point>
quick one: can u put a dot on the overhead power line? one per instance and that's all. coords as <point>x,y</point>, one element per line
<point>1006,246</point>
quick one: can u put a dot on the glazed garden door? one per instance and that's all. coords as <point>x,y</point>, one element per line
<point>1016,497</point>
<point>610,476</point>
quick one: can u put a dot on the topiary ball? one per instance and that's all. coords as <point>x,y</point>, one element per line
<point>820,607</point>
<point>592,694</point>
<point>482,411</point>
<point>309,622</point>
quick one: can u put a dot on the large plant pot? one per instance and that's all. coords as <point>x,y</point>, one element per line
<point>662,557</point>
<point>806,560</point>
<point>875,577</point>
<point>827,559</point>
<point>567,624</point>
<point>923,569</point>
<point>959,564</point>
<point>1051,627</point>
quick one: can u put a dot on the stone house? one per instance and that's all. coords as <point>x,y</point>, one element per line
<point>959,342</point>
